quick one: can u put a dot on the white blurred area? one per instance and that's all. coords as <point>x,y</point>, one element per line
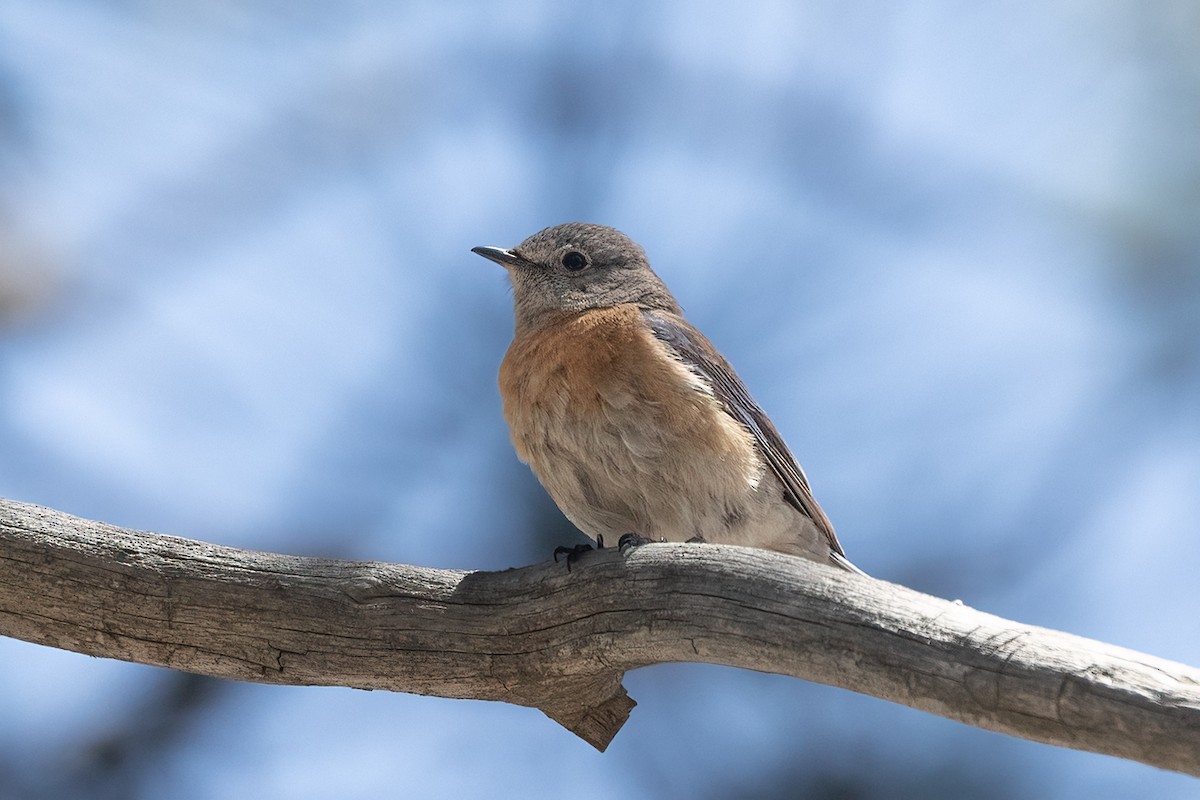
<point>954,250</point>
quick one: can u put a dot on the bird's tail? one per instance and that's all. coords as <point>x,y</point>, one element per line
<point>841,561</point>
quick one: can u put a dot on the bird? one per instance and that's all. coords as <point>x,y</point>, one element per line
<point>632,421</point>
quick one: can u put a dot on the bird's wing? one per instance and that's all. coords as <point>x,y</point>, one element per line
<point>695,351</point>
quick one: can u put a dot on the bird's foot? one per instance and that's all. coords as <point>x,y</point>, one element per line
<point>628,541</point>
<point>574,553</point>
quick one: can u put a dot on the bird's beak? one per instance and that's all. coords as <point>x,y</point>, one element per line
<point>505,258</point>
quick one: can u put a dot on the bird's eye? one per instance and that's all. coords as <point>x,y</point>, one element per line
<point>574,261</point>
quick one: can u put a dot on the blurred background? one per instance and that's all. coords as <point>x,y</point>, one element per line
<point>954,250</point>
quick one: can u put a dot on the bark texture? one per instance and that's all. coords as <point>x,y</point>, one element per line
<point>561,641</point>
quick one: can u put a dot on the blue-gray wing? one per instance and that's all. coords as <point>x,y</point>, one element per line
<point>699,355</point>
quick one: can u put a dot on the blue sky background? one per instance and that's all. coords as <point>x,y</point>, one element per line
<point>952,249</point>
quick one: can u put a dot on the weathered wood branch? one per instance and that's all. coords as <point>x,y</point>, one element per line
<point>561,642</point>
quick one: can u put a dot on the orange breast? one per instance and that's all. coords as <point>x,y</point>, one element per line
<point>607,417</point>
<point>597,367</point>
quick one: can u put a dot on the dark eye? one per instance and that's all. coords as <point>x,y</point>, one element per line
<point>574,261</point>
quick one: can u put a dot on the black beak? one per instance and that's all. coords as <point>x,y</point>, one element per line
<point>505,258</point>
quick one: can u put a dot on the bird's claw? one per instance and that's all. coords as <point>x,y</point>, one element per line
<point>628,541</point>
<point>573,554</point>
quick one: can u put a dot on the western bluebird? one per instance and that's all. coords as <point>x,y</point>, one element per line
<point>630,418</point>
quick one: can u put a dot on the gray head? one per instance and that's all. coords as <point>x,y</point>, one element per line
<point>575,267</point>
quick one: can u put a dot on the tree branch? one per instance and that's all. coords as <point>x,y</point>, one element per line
<point>561,641</point>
